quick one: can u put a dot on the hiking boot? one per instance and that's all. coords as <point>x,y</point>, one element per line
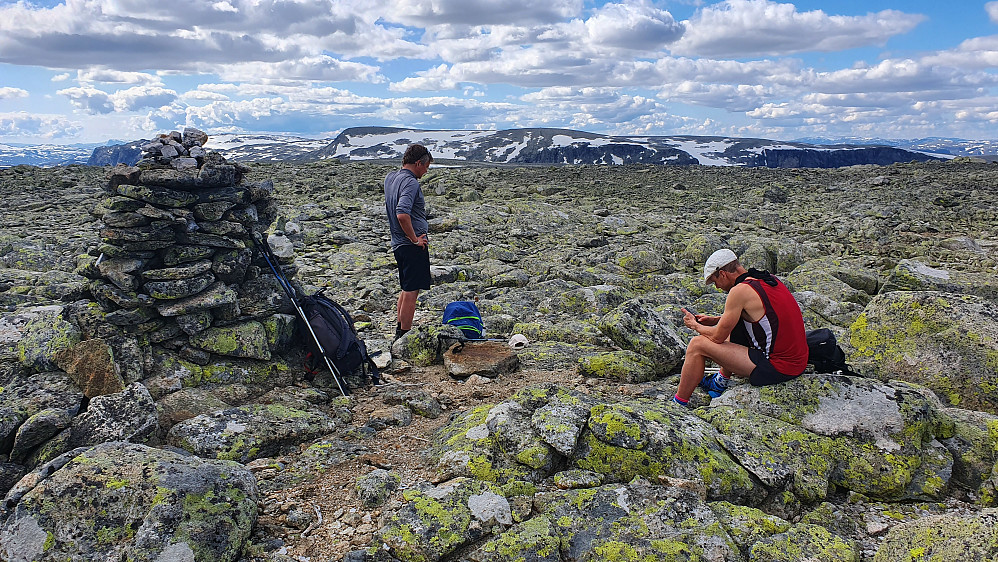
<point>715,385</point>
<point>399,332</point>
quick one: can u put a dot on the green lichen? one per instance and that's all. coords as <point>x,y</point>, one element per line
<point>536,456</point>
<point>615,551</point>
<point>225,512</point>
<point>49,541</point>
<point>620,463</point>
<point>675,550</point>
<point>805,541</point>
<point>612,421</point>
<point>535,536</point>
<point>626,366</point>
<point>114,484</point>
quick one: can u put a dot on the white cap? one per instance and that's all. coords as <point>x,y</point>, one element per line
<point>716,261</point>
<point>518,341</point>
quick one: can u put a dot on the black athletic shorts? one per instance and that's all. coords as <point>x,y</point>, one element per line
<point>764,373</point>
<point>414,267</point>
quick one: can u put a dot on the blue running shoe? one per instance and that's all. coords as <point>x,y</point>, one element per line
<point>715,385</point>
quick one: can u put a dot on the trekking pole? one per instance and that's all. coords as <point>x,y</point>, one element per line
<point>265,251</point>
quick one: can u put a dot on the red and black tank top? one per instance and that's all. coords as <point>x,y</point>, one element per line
<point>780,332</point>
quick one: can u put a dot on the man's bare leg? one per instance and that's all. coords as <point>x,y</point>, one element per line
<point>406,309</point>
<point>731,357</point>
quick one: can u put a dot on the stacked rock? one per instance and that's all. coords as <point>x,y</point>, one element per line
<point>176,264</point>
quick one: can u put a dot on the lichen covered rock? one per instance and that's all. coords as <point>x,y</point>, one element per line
<point>636,326</point>
<point>133,502</point>
<point>883,437</point>
<point>942,537</point>
<point>249,432</point>
<point>947,342</point>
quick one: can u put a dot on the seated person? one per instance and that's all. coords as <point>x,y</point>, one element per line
<point>760,334</point>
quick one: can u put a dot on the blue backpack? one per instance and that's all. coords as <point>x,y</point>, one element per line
<point>465,315</point>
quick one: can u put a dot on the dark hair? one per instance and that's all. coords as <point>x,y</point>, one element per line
<point>730,267</point>
<point>416,153</point>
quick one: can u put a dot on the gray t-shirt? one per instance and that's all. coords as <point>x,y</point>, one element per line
<point>403,196</point>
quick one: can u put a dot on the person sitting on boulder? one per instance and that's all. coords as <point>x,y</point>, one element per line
<point>760,334</point>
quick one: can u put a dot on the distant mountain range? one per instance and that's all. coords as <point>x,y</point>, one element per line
<point>529,146</point>
<point>12,154</point>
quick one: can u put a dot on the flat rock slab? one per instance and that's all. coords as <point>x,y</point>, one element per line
<point>487,359</point>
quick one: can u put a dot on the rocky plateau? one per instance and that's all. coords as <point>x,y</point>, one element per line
<point>143,441</point>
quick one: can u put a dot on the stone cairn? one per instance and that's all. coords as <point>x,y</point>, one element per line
<point>176,266</point>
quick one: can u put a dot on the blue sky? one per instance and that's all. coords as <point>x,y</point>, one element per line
<point>94,70</point>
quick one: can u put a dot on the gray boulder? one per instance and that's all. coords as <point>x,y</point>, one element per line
<point>943,537</point>
<point>856,433</point>
<point>245,339</point>
<point>129,415</point>
<point>249,432</point>
<point>50,396</point>
<point>650,437</point>
<point>499,443</point>
<point>637,327</point>
<point>435,522</point>
<point>944,341</point>
<point>424,345</point>
<point>40,333</point>
<point>125,501</point>
<point>974,446</point>
<point>624,365</point>
<point>804,541</point>
<point>841,287</point>
<point>913,275</point>
<point>36,430</point>
<point>614,522</point>
<point>375,487</point>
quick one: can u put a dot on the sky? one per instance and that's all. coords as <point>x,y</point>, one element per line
<point>89,71</point>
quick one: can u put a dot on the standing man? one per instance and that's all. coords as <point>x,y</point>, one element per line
<point>406,212</point>
<point>760,334</point>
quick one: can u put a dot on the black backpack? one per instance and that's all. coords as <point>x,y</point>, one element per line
<point>824,353</point>
<point>333,327</point>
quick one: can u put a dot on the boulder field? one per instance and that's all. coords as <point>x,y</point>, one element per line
<point>113,445</point>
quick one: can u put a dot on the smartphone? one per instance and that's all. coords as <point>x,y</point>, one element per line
<point>691,311</point>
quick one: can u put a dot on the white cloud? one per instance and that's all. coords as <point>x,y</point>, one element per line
<point>109,76</point>
<point>900,75</point>
<point>139,97</point>
<point>435,79</point>
<point>732,97</point>
<point>312,68</point>
<point>187,35</point>
<point>745,28</point>
<point>633,27</point>
<point>992,9</point>
<point>203,95</point>
<point>980,53</point>
<point>89,99</point>
<point>481,12</point>
<point>37,125</point>
<point>7,93</point>
<point>95,101</point>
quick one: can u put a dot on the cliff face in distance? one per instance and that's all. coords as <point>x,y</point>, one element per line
<point>562,146</point>
<point>537,146</point>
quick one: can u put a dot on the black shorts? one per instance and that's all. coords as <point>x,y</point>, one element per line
<point>414,267</point>
<point>764,373</point>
